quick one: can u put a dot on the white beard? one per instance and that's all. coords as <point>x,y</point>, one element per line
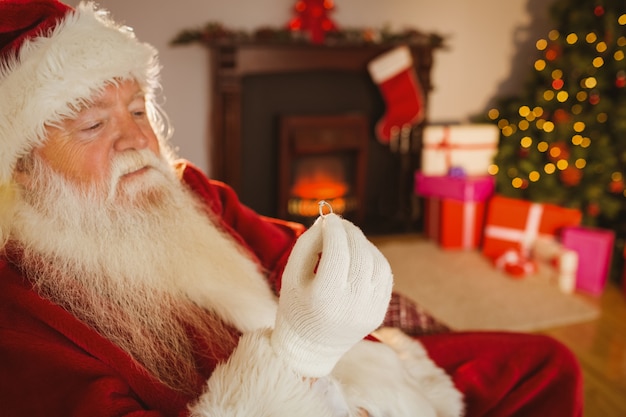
<point>149,252</point>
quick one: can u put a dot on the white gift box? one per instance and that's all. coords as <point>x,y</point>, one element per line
<point>470,147</point>
<point>563,261</point>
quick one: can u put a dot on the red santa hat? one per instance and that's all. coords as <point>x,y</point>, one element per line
<point>53,58</point>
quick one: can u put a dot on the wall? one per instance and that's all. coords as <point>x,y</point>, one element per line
<point>491,48</point>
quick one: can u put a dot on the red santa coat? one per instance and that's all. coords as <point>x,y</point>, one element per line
<point>53,365</point>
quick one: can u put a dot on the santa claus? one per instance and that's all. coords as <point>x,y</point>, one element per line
<point>132,285</point>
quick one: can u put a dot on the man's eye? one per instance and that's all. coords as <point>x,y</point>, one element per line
<point>92,126</point>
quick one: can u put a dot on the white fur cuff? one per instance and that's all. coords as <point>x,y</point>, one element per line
<point>397,378</point>
<point>256,383</point>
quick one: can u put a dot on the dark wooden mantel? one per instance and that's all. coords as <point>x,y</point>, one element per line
<point>231,62</point>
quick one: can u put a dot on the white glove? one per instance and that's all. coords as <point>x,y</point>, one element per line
<point>329,303</point>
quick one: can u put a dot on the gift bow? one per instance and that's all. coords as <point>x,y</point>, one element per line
<point>514,263</point>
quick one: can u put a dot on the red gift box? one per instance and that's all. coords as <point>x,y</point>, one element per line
<point>595,249</point>
<point>454,224</point>
<point>514,224</point>
<point>455,208</point>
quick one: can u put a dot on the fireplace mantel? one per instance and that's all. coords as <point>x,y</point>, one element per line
<point>231,62</point>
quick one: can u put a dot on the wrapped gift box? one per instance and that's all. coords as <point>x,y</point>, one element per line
<point>468,146</point>
<point>595,248</point>
<point>563,261</point>
<point>454,224</point>
<point>477,188</point>
<point>455,208</point>
<point>513,223</point>
<point>461,224</point>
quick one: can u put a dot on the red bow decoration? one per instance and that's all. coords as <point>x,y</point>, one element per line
<point>515,264</point>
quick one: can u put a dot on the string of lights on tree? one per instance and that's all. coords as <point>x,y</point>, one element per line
<point>563,140</point>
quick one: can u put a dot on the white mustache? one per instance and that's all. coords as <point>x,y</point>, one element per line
<point>129,162</point>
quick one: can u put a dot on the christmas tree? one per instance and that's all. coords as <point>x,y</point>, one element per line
<point>563,140</point>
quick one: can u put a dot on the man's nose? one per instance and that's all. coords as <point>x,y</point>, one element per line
<point>130,135</point>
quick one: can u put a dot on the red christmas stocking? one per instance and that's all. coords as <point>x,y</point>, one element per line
<point>394,74</point>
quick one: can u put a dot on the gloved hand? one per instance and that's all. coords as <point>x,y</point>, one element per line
<point>335,290</point>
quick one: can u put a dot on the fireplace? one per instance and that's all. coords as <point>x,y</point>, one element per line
<point>322,158</point>
<point>261,89</point>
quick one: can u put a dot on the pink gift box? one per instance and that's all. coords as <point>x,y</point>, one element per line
<point>595,248</point>
<point>455,207</point>
<point>478,188</point>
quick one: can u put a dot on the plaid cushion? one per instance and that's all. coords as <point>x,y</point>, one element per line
<point>411,318</point>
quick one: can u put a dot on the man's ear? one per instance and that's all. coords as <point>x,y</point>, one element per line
<point>23,171</point>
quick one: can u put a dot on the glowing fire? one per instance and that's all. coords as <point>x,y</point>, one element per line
<point>318,179</point>
<point>321,187</point>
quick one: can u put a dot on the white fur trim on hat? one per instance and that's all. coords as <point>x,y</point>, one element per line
<point>53,74</point>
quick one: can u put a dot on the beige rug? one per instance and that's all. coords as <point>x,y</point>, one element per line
<point>465,291</point>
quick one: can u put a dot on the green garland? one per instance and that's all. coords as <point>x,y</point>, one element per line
<point>215,33</point>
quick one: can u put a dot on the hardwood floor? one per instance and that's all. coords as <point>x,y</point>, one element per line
<point>600,345</point>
